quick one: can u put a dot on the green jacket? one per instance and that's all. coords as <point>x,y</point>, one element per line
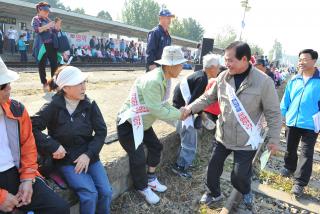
<point>151,88</point>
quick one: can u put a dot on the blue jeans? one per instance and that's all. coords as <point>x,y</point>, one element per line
<point>188,148</point>
<point>93,188</point>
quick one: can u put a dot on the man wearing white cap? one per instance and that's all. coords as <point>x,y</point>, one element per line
<point>76,134</point>
<point>20,183</point>
<point>158,38</point>
<point>147,102</point>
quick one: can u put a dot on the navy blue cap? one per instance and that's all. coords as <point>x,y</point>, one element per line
<point>46,7</point>
<point>165,12</point>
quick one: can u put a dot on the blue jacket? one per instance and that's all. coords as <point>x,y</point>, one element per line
<point>301,101</point>
<point>157,40</point>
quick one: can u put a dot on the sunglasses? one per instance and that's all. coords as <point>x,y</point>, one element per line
<point>3,86</point>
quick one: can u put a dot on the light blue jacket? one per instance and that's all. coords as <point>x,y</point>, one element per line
<point>301,101</point>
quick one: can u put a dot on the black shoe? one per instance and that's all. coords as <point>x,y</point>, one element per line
<point>179,170</point>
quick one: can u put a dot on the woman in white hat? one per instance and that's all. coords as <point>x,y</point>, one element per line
<point>146,103</point>
<point>76,134</point>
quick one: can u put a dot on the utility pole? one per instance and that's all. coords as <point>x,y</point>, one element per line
<point>245,5</point>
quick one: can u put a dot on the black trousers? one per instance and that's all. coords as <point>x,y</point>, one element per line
<point>43,201</point>
<point>23,56</point>
<point>137,159</point>
<point>51,54</point>
<point>241,172</point>
<point>303,167</point>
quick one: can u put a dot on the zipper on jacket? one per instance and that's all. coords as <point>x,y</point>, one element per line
<point>19,140</point>
<point>299,104</point>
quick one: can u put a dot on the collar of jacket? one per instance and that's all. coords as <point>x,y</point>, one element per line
<point>59,101</point>
<point>6,110</point>
<point>162,29</point>
<point>316,75</point>
<point>247,82</point>
<point>161,75</point>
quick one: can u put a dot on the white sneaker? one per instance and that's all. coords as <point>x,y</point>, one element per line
<point>156,186</point>
<point>150,196</point>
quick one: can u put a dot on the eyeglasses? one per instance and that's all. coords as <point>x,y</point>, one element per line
<point>304,60</point>
<point>3,86</point>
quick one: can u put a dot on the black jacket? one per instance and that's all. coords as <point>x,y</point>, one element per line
<point>197,82</point>
<point>157,40</point>
<point>74,132</point>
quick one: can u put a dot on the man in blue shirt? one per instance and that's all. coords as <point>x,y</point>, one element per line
<point>301,100</point>
<point>158,38</point>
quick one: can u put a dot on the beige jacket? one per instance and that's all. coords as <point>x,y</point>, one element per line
<point>257,94</point>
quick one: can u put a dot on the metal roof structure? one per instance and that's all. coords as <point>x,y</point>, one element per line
<point>75,22</point>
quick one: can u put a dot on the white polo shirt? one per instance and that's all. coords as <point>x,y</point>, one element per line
<point>6,159</point>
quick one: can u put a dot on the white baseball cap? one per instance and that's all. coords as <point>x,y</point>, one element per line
<point>70,76</point>
<point>171,55</point>
<point>6,75</point>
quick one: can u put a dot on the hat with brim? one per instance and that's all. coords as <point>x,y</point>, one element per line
<point>171,55</point>
<point>6,75</point>
<point>70,76</point>
<point>165,12</point>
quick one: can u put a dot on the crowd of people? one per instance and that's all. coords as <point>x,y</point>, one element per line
<point>110,50</point>
<point>232,101</point>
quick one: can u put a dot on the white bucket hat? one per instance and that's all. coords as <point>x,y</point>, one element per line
<point>70,76</point>
<point>171,55</point>
<point>6,75</point>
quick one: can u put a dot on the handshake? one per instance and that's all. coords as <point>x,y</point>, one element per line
<point>185,112</point>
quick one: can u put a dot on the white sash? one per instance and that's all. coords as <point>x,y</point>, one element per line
<point>244,119</point>
<point>136,111</point>
<point>185,91</point>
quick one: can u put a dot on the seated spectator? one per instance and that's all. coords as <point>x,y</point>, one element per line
<point>112,56</point>
<point>118,57</point>
<point>99,53</point>
<point>93,52</point>
<point>80,53</point>
<point>76,134</point>
<point>125,56</point>
<point>21,185</point>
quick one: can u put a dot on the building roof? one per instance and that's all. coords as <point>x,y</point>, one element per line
<point>75,22</point>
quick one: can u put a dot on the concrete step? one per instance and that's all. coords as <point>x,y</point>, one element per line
<point>280,195</point>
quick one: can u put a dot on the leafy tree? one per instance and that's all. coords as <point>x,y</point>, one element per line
<point>192,29</point>
<point>104,15</point>
<point>141,13</point>
<point>79,10</point>
<point>176,28</point>
<point>226,36</point>
<point>256,49</point>
<point>144,13</point>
